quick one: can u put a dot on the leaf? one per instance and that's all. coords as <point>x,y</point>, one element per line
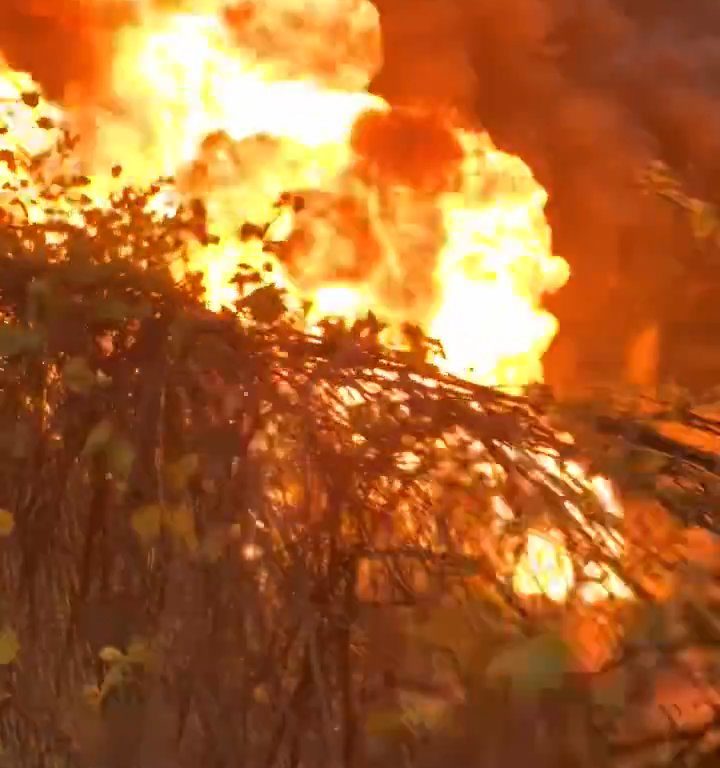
<point>213,545</point>
<point>113,679</point>
<point>7,157</point>
<point>652,626</point>
<point>98,438</point>
<point>111,655</point>
<point>78,376</point>
<point>532,666</point>
<point>7,523</point>
<point>116,312</point>
<point>611,692</point>
<point>703,220</point>
<point>22,441</point>
<point>181,523</point>
<point>9,646</point>
<point>384,721</point>
<point>646,462</point>
<point>139,653</point>
<point>261,694</point>
<point>265,304</point>
<point>30,98</point>
<point>179,473</point>
<point>121,457</point>
<point>16,340</point>
<point>447,627</point>
<point>147,522</point>
<point>40,293</point>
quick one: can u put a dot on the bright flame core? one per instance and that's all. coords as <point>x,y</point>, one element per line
<point>405,213</point>
<point>462,249</point>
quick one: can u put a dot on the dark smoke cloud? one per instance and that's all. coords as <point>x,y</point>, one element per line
<point>64,44</point>
<point>588,92</point>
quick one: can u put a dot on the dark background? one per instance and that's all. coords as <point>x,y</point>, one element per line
<point>588,92</point>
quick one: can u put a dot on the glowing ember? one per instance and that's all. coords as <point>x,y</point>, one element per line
<point>404,212</point>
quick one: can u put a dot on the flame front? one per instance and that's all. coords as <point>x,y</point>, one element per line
<point>406,212</point>
<point>244,103</point>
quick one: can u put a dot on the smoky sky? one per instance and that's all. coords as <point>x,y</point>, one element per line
<point>588,92</point>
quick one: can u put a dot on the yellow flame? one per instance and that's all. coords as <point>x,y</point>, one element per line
<point>482,243</point>
<point>545,567</point>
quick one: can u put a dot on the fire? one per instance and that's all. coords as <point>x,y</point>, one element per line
<point>545,567</point>
<point>407,213</point>
<point>457,244</point>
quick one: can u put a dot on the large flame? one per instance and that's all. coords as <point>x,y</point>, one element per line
<point>407,213</point>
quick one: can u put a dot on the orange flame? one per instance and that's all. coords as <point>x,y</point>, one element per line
<point>457,244</point>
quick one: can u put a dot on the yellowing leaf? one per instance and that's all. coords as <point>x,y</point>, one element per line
<point>98,438</point>
<point>213,545</point>
<point>534,665</point>
<point>16,340</point>
<point>179,473</point>
<point>9,646</point>
<point>7,522</point>
<point>120,456</point>
<point>111,655</point>
<point>704,220</point>
<point>382,721</point>
<point>181,523</point>
<point>140,653</point>
<point>78,375</point>
<point>147,521</point>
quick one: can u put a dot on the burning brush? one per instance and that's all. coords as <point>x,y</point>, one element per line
<point>442,466</point>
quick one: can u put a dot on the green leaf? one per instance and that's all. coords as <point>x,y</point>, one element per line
<point>78,376</point>
<point>98,438</point>
<point>40,294</point>
<point>651,627</point>
<point>147,522</point>
<point>16,340</point>
<point>121,457</point>
<point>111,310</point>
<point>9,646</point>
<point>532,666</point>
<point>447,627</point>
<point>7,523</point>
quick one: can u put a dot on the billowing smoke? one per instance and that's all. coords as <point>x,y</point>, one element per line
<point>588,92</point>
<point>65,45</point>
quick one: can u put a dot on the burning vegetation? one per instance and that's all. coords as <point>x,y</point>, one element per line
<point>267,421</point>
